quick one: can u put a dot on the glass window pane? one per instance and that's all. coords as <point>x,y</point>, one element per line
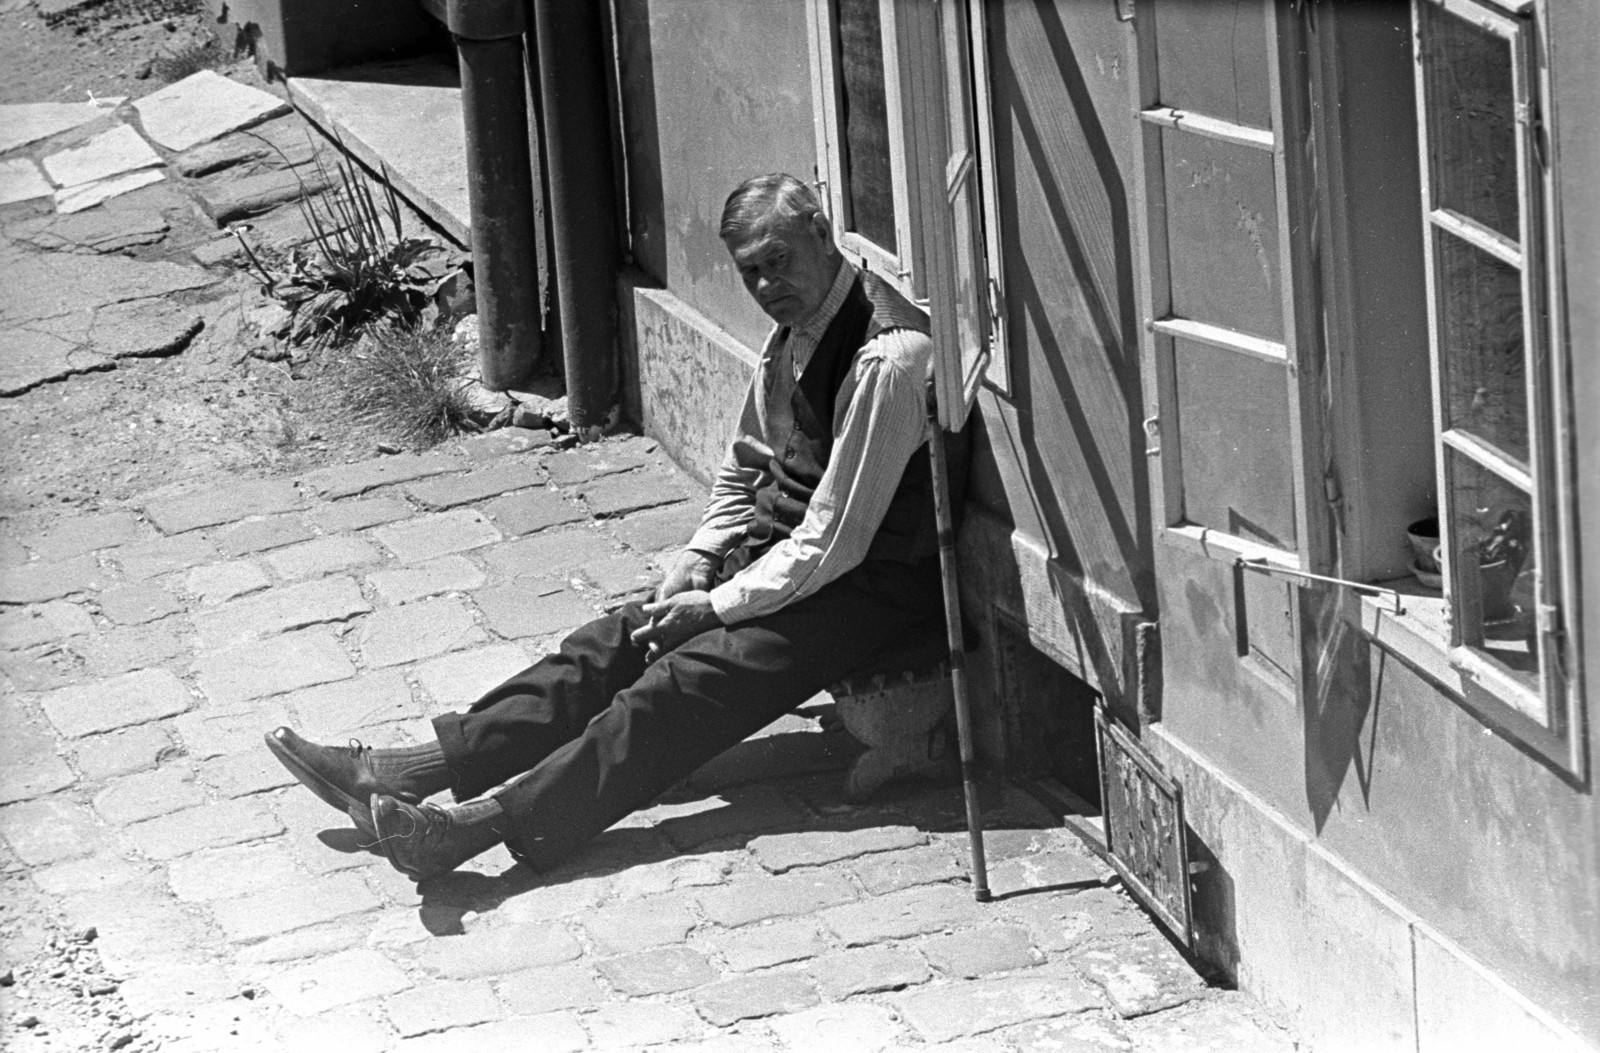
<point>1480,344</point>
<point>1493,568</point>
<point>1222,234</point>
<point>1466,72</point>
<point>1213,59</point>
<point>1233,426</point>
<point>864,113</point>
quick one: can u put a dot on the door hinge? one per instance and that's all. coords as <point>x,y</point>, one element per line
<point>1152,435</point>
<point>1549,619</point>
<point>1330,489</point>
<point>1124,10</point>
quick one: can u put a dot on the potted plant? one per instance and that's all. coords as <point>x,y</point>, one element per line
<point>1501,554</point>
<point>1424,538</point>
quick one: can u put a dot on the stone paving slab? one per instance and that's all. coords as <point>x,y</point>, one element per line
<point>28,359</point>
<point>22,627</point>
<point>273,666</point>
<point>442,534</point>
<point>202,107</point>
<point>136,698</point>
<point>442,492</point>
<point>112,152</point>
<point>88,195</point>
<point>223,504</point>
<point>347,480</point>
<point>407,116</point>
<point>280,610</point>
<point>451,573</point>
<point>52,286</point>
<point>29,765</point>
<point>28,122</point>
<point>21,180</point>
<point>751,908</point>
<point>80,536</point>
<point>103,231</point>
<point>243,197</point>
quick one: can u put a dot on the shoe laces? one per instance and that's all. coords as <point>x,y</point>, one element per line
<point>429,823</point>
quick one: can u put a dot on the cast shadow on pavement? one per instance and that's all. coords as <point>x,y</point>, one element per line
<point>751,800</point>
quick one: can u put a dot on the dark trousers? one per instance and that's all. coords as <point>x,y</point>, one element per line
<point>600,732</point>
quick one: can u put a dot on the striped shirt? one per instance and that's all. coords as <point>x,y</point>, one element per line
<point>880,420</point>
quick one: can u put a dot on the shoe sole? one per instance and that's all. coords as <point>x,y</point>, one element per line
<point>329,794</point>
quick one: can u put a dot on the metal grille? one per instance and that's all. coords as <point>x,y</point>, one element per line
<point>1145,832</point>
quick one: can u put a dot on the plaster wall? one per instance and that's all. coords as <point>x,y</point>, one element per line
<point>1376,817</point>
<point>1375,762</point>
<point>712,93</point>
<point>1345,964</point>
<point>686,377</point>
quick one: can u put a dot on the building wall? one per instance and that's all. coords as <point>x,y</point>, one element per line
<point>1371,792</point>
<point>1374,845</point>
<point>712,93</point>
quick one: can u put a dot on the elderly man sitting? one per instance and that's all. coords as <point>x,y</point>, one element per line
<point>807,566</point>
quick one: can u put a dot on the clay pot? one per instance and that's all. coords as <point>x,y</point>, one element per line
<point>1424,538</point>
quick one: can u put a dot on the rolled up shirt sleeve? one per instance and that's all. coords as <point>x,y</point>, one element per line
<point>884,424</point>
<point>731,508</point>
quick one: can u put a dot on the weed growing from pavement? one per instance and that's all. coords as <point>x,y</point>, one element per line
<point>360,270</point>
<point>406,381</point>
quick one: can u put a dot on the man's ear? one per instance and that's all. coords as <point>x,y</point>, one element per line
<point>823,229</point>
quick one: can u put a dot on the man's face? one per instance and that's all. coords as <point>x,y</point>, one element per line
<point>787,266</point>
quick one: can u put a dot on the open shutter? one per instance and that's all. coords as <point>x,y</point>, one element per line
<point>1233,347</point>
<point>944,136</point>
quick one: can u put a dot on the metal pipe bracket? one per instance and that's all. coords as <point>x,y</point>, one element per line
<point>480,19</point>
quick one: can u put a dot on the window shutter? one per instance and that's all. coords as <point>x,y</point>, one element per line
<point>942,127</point>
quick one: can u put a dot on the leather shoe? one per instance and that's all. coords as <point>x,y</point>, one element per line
<point>427,840</point>
<point>340,775</point>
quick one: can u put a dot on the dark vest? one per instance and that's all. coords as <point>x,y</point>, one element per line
<point>909,532</point>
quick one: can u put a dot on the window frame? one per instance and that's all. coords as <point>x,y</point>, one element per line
<point>898,267</point>
<point>1488,691</point>
<point>935,58</point>
<point>998,375</point>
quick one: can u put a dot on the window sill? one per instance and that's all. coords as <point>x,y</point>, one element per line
<point>1419,634</point>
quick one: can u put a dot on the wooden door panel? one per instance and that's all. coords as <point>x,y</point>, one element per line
<point>1213,60</point>
<point>1222,234</point>
<point>1233,426</point>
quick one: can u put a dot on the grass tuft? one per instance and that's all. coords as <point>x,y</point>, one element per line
<point>407,382</point>
<point>207,54</point>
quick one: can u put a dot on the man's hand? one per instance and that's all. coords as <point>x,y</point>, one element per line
<point>690,572</point>
<point>674,620</point>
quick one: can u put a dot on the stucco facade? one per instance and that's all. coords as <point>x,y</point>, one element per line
<point>1379,851</point>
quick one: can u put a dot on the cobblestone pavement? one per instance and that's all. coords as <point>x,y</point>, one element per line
<point>168,885</point>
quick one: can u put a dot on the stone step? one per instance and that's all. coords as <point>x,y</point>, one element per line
<point>403,117</point>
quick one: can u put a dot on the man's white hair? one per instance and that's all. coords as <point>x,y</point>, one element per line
<point>776,194</point>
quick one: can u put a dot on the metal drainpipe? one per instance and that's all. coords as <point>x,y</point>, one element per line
<point>494,108</point>
<point>577,141</point>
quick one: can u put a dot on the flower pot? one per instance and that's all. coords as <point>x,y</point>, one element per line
<point>1424,538</point>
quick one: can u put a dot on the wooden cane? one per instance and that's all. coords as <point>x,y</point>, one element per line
<point>958,665</point>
